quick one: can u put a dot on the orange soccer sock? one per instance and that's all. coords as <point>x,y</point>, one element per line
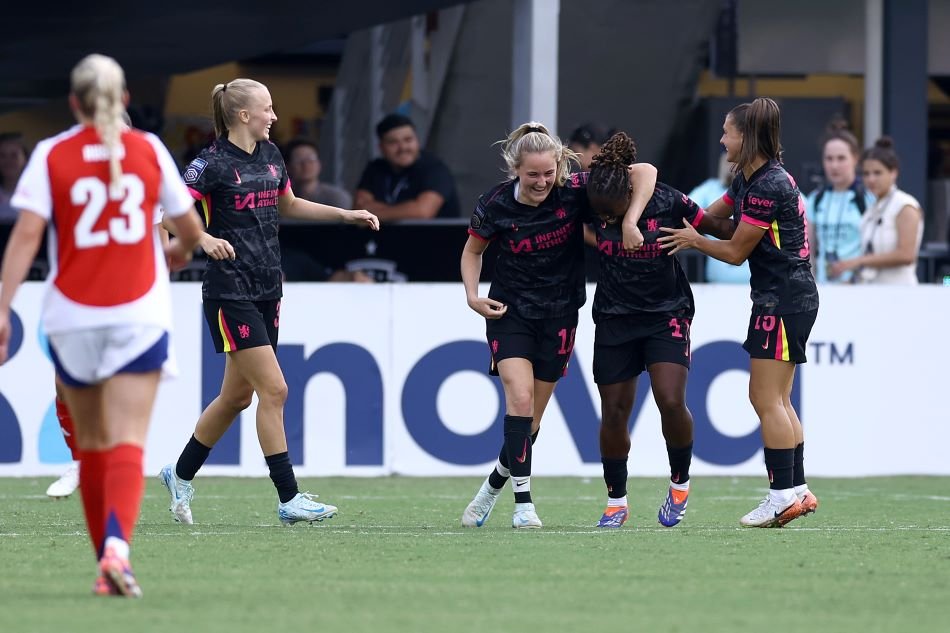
<point>68,428</point>
<point>124,485</point>
<point>92,469</point>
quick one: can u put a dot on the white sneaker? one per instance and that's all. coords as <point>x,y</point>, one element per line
<point>65,485</point>
<point>304,508</point>
<point>525,516</point>
<point>181,493</point>
<point>771,514</point>
<point>481,506</point>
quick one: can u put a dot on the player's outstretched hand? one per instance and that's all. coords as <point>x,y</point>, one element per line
<point>488,308</point>
<point>678,239</point>
<point>361,216</point>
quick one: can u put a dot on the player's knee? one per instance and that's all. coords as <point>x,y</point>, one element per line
<point>274,394</point>
<point>521,402</point>
<point>616,413</point>
<point>237,401</point>
<point>670,404</point>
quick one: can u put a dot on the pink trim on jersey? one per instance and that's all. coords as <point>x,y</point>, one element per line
<point>759,223</point>
<point>728,199</point>
<point>698,218</point>
<point>197,195</point>
<point>285,189</point>
<point>474,234</point>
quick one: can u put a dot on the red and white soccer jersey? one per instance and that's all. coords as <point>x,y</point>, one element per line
<point>106,262</point>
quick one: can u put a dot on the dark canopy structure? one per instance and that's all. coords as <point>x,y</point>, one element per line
<point>42,41</point>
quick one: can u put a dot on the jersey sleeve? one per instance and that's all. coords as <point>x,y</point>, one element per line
<point>730,196</point>
<point>173,196</point>
<point>685,208</point>
<point>284,185</point>
<point>574,192</point>
<point>760,207</point>
<point>482,224</point>
<point>33,192</point>
<point>198,178</point>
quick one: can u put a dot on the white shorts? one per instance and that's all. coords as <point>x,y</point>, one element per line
<point>88,357</point>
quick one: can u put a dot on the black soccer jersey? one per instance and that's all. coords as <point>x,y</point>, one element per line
<point>540,269</point>
<point>782,281</point>
<point>647,280</point>
<point>237,195</point>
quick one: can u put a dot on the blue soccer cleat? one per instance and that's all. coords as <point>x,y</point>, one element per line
<point>614,517</point>
<point>674,508</point>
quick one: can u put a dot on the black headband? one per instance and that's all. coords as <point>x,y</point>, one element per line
<point>535,128</point>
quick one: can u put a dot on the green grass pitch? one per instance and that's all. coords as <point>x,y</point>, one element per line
<point>876,557</point>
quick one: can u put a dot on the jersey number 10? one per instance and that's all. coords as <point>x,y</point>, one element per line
<point>95,194</point>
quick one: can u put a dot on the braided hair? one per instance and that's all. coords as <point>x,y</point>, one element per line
<point>609,179</point>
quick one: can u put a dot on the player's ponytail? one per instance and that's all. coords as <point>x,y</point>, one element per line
<point>760,124</point>
<point>227,101</point>
<point>609,179</point>
<point>534,138</point>
<point>98,84</point>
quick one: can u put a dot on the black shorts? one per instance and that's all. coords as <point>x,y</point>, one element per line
<point>779,336</point>
<point>547,343</point>
<point>238,325</point>
<point>626,345</point>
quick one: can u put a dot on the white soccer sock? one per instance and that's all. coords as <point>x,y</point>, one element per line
<point>783,498</point>
<point>502,470</point>
<point>616,503</point>
<point>521,484</point>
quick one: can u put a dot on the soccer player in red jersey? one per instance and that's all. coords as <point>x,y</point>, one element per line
<point>100,187</point>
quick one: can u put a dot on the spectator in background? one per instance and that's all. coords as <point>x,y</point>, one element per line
<point>13,155</point>
<point>406,183</point>
<point>706,193</point>
<point>303,166</point>
<point>835,209</point>
<point>892,228</point>
<point>586,141</point>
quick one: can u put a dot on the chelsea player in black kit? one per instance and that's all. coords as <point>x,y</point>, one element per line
<point>643,310</point>
<point>771,231</point>
<point>241,185</point>
<point>538,287</point>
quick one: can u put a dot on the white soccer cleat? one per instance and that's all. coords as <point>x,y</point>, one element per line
<point>65,485</point>
<point>181,493</point>
<point>525,516</point>
<point>769,514</point>
<point>478,511</point>
<point>304,508</point>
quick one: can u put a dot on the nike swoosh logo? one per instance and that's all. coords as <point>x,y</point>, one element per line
<point>524,453</point>
<point>767,337</point>
<point>237,176</point>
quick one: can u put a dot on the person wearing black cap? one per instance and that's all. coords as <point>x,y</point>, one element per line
<point>405,183</point>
